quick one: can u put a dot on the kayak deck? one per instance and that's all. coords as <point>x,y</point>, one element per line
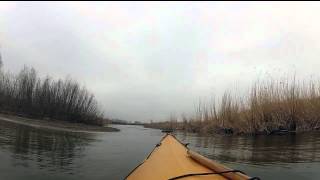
<point>171,159</point>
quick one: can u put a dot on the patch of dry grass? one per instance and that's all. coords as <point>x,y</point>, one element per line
<point>268,106</point>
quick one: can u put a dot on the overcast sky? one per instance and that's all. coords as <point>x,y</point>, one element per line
<point>146,60</point>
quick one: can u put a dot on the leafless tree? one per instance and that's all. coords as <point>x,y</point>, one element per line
<point>29,95</point>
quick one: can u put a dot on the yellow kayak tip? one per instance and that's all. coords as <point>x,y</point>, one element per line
<point>171,160</point>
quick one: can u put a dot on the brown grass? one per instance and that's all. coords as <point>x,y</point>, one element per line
<point>268,106</point>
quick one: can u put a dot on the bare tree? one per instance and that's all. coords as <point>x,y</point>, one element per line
<point>29,95</point>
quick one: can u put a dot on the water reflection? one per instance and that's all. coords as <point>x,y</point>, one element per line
<point>52,150</point>
<point>28,153</point>
<point>260,150</point>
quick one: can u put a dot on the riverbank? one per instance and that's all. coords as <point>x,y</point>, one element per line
<point>55,124</point>
<point>166,128</point>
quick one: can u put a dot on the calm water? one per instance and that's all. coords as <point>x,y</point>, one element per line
<point>28,153</point>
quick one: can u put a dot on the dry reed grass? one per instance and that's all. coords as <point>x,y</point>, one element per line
<point>269,106</point>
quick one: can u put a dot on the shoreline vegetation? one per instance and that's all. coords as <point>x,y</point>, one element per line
<point>124,122</point>
<point>269,107</point>
<point>44,102</point>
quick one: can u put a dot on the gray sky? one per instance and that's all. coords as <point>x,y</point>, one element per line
<point>146,60</point>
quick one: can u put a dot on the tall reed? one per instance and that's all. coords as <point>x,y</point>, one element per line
<point>270,105</point>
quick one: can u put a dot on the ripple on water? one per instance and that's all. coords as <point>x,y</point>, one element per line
<point>28,153</point>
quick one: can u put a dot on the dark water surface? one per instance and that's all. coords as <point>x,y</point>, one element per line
<point>28,153</point>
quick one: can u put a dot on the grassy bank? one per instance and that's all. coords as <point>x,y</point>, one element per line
<point>269,107</point>
<point>28,95</point>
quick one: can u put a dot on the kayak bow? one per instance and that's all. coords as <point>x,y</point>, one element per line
<point>171,160</point>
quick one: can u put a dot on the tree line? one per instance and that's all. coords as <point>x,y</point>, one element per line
<point>26,94</point>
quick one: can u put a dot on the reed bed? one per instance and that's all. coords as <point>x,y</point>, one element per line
<point>270,106</point>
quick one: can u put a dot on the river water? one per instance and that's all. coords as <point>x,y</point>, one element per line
<point>29,153</point>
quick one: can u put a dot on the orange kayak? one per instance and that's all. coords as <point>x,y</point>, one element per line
<point>172,160</point>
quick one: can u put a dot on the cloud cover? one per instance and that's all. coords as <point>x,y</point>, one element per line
<point>145,60</point>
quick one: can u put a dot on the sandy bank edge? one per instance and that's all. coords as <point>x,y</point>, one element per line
<point>56,125</point>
